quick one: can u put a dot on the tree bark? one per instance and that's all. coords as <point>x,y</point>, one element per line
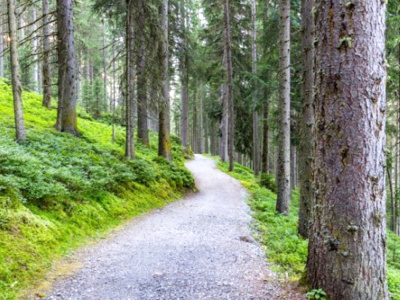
<point>1,47</point>
<point>143,131</point>
<point>201,119</point>
<point>35,48</point>
<point>184,82</point>
<point>164,139</point>
<point>283,166</point>
<point>46,102</point>
<point>229,84</point>
<point>15,74</point>
<point>347,248</point>
<point>130,77</point>
<point>66,118</point>
<point>256,143</point>
<point>307,119</point>
<point>224,124</point>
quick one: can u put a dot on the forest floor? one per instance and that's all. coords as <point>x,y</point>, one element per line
<point>197,248</point>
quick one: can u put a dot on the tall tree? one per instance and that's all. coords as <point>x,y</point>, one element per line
<point>229,83</point>
<point>184,81</point>
<point>129,80</point>
<point>15,73</point>
<point>307,119</point>
<point>256,138</point>
<point>143,131</point>
<point>347,248</point>
<point>164,139</point>
<point>66,116</point>
<point>283,166</point>
<point>46,102</point>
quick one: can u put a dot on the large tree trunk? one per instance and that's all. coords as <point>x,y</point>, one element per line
<point>66,118</point>
<point>15,74</point>
<point>265,148</point>
<point>130,77</point>
<point>105,75</point>
<point>229,84</point>
<point>143,131</point>
<point>164,139</point>
<point>347,249</point>
<point>46,102</point>
<point>256,143</point>
<point>283,166</point>
<point>307,119</point>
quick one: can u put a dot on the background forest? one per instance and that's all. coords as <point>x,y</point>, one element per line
<point>124,75</point>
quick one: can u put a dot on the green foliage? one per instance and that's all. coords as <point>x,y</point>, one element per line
<point>317,294</point>
<point>56,190</point>
<point>268,181</point>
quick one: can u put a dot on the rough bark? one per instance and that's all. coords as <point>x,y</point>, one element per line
<point>105,75</point>
<point>46,102</point>
<point>164,139</point>
<point>229,83</point>
<point>256,143</point>
<point>283,165</point>
<point>66,118</point>
<point>143,130</point>
<point>130,77</point>
<point>265,124</point>
<point>15,74</point>
<point>307,117</point>
<point>347,248</point>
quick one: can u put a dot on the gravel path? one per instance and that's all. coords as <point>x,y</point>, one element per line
<point>197,248</point>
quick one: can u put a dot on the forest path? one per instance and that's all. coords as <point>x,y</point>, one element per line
<point>197,248</point>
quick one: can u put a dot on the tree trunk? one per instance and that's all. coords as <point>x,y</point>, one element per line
<point>66,118</point>
<point>130,77</point>
<point>15,74</point>
<point>256,143</point>
<point>201,133</point>
<point>283,171</point>
<point>347,248</point>
<point>35,48</point>
<point>164,139</point>
<point>184,82</point>
<point>224,124</point>
<point>1,47</point>
<point>265,148</point>
<point>307,119</point>
<point>143,131</point>
<point>46,102</point>
<point>229,84</point>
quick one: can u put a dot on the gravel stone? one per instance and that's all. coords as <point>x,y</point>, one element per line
<point>197,248</point>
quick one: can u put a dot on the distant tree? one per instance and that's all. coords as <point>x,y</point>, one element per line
<point>46,102</point>
<point>67,98</point>
<point>283,172</point>
<point>15,73</point>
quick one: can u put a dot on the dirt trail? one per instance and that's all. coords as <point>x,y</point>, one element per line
<point>197,248</point>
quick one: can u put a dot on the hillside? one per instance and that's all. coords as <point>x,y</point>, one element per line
<point>56,190</point>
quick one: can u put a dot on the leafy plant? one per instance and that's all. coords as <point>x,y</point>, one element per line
<point>317,294</point>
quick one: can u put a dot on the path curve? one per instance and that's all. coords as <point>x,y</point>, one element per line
<point>197,248</point>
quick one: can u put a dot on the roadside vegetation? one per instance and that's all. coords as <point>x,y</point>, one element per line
<point>57,190</point>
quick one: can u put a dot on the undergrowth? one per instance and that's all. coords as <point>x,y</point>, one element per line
<point>285,249</point>
<point>57,190</point>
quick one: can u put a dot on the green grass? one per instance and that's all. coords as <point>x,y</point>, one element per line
<point>56,190</point>
<point>285,249</point>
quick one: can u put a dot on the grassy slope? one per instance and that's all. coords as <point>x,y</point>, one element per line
<point>57,190</point>
<point>284,248</point>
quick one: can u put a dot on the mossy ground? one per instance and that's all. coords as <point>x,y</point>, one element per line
<point>285,249</point>
<point>57,190</point>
